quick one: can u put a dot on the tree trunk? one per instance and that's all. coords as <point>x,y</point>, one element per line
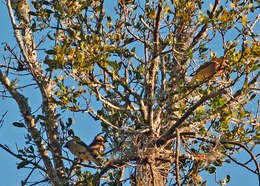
<point>153,167</point>
<point>150,175</point>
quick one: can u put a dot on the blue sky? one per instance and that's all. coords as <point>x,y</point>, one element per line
<point>85,127</point>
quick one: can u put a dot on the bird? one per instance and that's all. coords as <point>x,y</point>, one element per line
<point>210,69</point>
<point>98,146</point>
<point>92,152</point>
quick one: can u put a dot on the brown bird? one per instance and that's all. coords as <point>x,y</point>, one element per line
<point>98,146</point>
<point>209,69</point>
<point>92,153</point>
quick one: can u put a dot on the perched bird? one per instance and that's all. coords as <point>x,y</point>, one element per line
<point>213,68</point>
<point>98,146</point>
<point>92,153</point>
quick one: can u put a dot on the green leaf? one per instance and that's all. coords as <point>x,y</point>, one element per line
<point>128,40</point>
<point>201,50</point>
<point>252,97</point>
<point>62,124</point>
<point>17,124</point>
<point>50,52</point>
<point>113,64</point>
<point>212,170</point>
<point>69,123</point>
<point>224,125</point>
<point>228,178</point>
<point>199,4</point>
<point>22,164</point>
<point>31,149</point>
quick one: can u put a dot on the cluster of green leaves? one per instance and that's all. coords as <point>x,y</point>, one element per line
<point>100,54</point>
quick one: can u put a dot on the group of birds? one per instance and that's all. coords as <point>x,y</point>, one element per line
<point>95,150</point>
<point>92,152</point>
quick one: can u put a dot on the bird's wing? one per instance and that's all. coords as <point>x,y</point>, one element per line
<point>88,154</point>
<point>204,65</point>
<point>82,151</point>
<point>82,144</point>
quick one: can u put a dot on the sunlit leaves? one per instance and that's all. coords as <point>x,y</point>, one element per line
<point>84,177</point>
<point>226,18</point>
<point>200,111</point>
<point>244,20</point>
<point>167,10</point>
<point>185,10</point>
<point>210,7</point>
<point>218,102</point>
<point>110,57</point>
<point>202,18</point>
<point>109,22</point>
<point>151,13</point>
<point>67,96</point>
<point>232,5</point>
<point>224,125</point>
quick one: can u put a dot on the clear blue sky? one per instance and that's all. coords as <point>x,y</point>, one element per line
<point>85,127</point>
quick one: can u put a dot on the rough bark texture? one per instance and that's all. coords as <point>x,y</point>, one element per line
<point>25,39</point>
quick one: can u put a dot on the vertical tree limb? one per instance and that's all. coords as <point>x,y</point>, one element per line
<point>27,47</point>
<point>177,157</point>
<point>30,122</point>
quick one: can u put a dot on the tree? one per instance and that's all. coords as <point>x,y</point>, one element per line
<point>136,62</point>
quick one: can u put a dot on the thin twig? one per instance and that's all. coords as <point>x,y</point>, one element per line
<point>25,181</point>
<point>169,134</point>
<point>21,158</point>
<point>2,119</point>
<point>240,145</point>
<point>204,28</point>
<point>177,157</point>
<point>249,152</point>
<point>241,164</point>
<point>152,173</point>
<point>122,174</point>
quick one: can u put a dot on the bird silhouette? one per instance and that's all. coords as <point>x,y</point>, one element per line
<point>92,152</point>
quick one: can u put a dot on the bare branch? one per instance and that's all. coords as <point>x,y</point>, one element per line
<point>169,134</point>
<point>241,164</point>
<point>177,157</point>
<point>21,158</point>
<point>32,128</point>
<point>2,119</point>
<point>240,145</point>
<point>204,28</point>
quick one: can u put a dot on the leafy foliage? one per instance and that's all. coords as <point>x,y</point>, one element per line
<point>137,61</point>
